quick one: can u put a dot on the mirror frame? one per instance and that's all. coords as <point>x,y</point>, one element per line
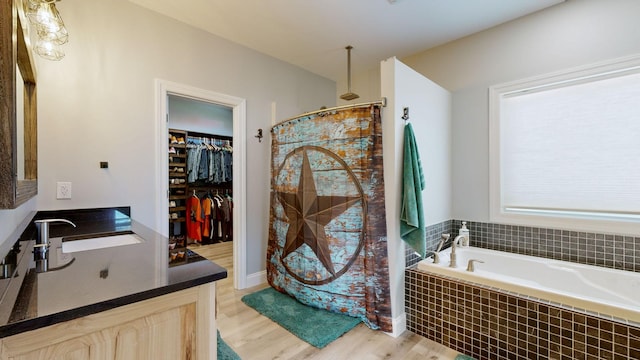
<point>16,52</point>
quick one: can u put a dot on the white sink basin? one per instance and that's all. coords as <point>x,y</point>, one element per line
<point>100,242</point>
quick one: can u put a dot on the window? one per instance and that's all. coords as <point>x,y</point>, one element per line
<point>565,149</point>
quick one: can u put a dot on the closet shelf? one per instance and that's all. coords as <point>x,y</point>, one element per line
<point>177,196</point>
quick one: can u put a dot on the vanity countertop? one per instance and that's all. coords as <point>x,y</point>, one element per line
<point>82,283</point>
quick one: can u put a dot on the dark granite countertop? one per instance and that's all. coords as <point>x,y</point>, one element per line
<point>82,283</point>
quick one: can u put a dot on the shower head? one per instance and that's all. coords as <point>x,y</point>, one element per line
<point>349,95</point>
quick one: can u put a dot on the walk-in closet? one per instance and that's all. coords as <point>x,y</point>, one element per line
<point>200,146</point>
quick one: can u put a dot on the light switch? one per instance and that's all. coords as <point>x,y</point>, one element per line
<point>64,190</point>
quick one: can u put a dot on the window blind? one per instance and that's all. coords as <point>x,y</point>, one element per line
<point>572,148</point>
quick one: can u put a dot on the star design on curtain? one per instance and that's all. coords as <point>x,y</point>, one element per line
<point>309,213</point>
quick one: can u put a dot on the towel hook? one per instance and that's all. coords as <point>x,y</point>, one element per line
<point>405,114</point>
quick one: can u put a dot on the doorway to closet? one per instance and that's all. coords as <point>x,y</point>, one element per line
<point>203,172</point>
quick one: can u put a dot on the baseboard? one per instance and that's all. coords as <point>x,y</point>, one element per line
<point>256,279</point>
<point>399,325</point>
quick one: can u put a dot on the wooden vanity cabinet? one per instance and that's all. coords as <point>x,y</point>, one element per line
<point>179,325</point>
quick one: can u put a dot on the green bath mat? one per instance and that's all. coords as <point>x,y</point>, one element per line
<point>464,357</point>
<point>318,327</point>
<point>224,351</point>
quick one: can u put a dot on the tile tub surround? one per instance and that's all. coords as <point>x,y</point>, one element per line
<point>608,250</point>
<point>434,233</point>
<point>488,323</point>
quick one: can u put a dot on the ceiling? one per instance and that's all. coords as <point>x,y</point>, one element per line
<point>312,34</point>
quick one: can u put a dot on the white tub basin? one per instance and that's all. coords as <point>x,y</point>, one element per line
<point>593,288</point>
<point>71,246</point>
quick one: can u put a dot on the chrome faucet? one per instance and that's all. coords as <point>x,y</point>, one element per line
<point>454,244</point>
<point>436,254</point>
<point>470,266</point>
<point>41,248</point>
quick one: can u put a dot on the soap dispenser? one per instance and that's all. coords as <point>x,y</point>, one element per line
<point>465,232</point>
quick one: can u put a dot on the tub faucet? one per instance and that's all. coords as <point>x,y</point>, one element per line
<point>454,244</point>
<point>436,254</point>
<point>470,266</point>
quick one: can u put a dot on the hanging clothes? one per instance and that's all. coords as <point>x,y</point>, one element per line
<point>193,161</point>
<point>203,167</point>
<point>194,219</point>
<point>209,160</point>
<point>207,205</point>
<point>226,208</point>
<point>227,161</point>
<point>210,218</point>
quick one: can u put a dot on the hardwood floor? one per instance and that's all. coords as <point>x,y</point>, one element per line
<point>254,336</point>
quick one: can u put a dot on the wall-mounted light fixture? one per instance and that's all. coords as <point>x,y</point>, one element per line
<point>50,29</point>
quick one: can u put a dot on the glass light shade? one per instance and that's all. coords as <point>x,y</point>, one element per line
<point>49,27</point>
<point>49,50</point>
<point>60,37</point>
<point>46,18</point>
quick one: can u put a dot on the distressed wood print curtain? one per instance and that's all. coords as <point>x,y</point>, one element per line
<point>327,233</point>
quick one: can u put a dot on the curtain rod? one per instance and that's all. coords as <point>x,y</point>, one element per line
<point>382,102</point>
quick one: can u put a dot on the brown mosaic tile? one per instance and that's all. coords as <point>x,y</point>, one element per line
<point>489,324</point>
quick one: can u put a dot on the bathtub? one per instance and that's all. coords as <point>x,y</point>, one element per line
<point>594,289</point>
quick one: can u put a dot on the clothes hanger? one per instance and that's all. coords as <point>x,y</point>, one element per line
<point>214,144</point>
<point>227,146</point>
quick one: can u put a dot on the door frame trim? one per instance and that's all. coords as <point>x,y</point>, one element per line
<point>163,89</point>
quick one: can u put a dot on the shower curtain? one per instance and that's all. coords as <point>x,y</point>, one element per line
<point>327,232</point>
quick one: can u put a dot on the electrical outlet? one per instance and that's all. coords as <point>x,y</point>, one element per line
<point>63,191</point>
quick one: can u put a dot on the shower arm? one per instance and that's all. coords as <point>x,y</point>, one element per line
<point>349,95</point>
<point>349,68</point>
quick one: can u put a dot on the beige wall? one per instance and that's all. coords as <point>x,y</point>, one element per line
<point>429,113</point>
<point>574,33</point>
<point>98,104</point>
<point>571,34</point>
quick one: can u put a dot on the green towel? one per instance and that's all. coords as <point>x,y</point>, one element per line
<point>412,229</point>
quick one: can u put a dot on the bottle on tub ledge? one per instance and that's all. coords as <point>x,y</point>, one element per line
<point>464,231</point>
